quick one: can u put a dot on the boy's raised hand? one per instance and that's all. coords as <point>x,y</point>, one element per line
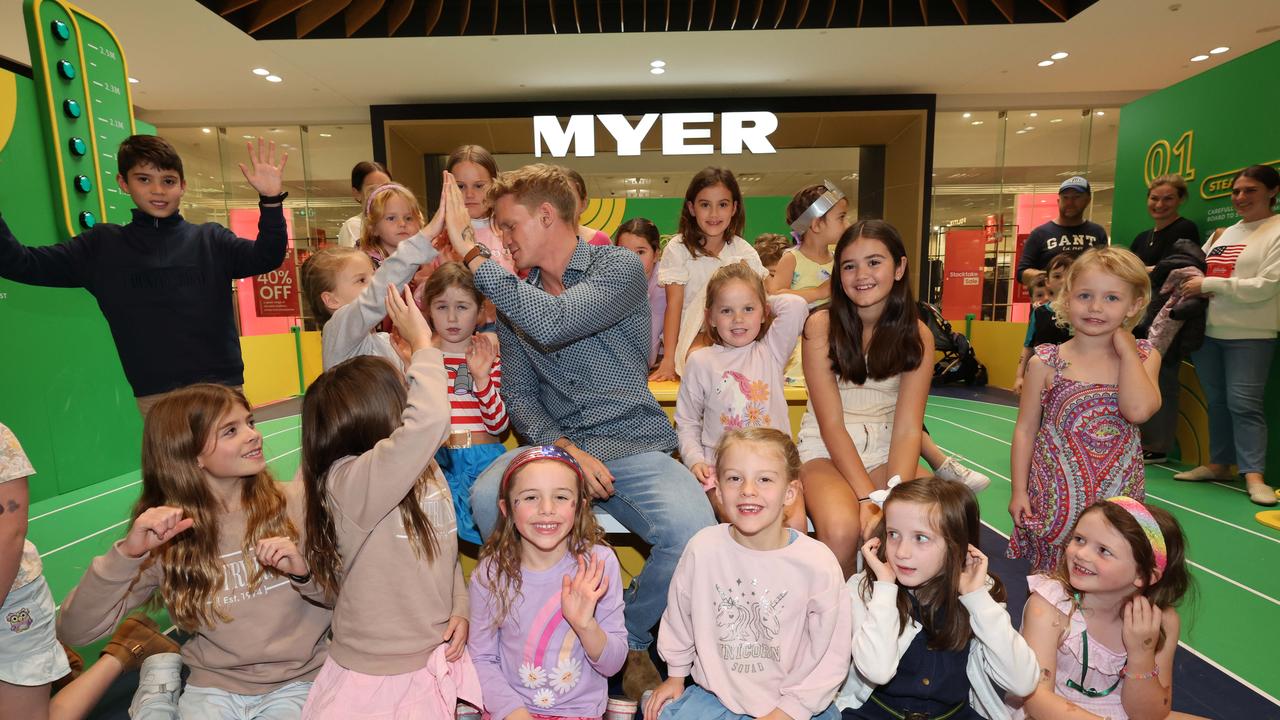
<point>407,317</point>
<point>153,528</point>
<point>262,173</point>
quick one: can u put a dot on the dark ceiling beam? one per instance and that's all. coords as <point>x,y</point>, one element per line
<point>315,14</point>
<point>1057,7</point>
<point>466,17</point>
<point>226,7</point>
<point>924,11</point>
<point>397,12</point>
<point>755,18</point>
<point>777,19</point>
<point>269,11</point>
<point>359,13</point>
<point>433,15</point>
<point>804,10</point>
<point>831,12</point>
<point>962,9</point>
<point>1005,7</point>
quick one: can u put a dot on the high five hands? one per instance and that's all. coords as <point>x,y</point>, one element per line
<point>262,172</point>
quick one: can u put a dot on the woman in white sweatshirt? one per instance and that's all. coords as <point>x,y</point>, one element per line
<point>1243,284</point>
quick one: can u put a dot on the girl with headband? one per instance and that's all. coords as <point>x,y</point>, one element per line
<point>546,599</point>
<point>817,215</point>
<point>1103,624</point>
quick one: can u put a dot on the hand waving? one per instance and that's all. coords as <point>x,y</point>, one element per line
<point>579,595</point>
<point>262,173</point>
<point>481,353</point>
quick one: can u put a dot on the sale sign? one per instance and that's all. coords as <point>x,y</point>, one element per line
<point>275,294</point>
<point>962,272</point>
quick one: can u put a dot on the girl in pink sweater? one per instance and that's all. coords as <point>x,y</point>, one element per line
<point>757,612</point>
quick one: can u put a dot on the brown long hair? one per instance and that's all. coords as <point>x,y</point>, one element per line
<point>346,412</point>
<point>503,579</point>
<point>955,517</point>
<point>896,346</point>
<point>690,233</point>
<point>178,429</point>
<point>1174,583</point>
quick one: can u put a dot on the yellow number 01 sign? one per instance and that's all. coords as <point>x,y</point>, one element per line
<point>1161,154</point>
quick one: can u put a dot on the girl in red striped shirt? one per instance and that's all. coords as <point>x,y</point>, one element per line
<point>478,417</point>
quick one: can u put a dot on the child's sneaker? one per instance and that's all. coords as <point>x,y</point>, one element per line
<point>159,683</point>
<point>952,470</point>
<point>136,639</point>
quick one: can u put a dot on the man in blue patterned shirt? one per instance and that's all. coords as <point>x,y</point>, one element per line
<point>575,363</point>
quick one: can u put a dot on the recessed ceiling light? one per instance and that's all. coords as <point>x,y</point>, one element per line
<point>261,71</point>
<point>206,131</point>
<point>657,70</point>
<point>976,122</point>
<point>1029,128</point>
<point>1219,50</point>
<point>658,63</point>
<point>1200,58</point>
<point>966,116</point>
<point>326,135</point>
<point>247,137</point>
<point>274,78</point>
<point>1033,114</point>
<point>1100,113</point>
<point>1056,120</point>
<point>133,80</point>
<point>1020,132</point>
<point>1045,63</point>
<point>1058,56</point>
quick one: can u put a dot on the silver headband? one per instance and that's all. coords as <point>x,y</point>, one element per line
<point>820,207</point>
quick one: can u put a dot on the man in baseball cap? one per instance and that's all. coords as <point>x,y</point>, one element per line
<point>1069,232</point>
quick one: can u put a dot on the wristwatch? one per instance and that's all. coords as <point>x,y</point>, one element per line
<point>478,250</point>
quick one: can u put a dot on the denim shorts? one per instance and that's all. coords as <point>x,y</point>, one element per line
<point>29,651</point>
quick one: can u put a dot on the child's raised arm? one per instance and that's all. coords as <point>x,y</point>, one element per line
<point>1024,437</point>
<point>57,265</point>
<point>789,315</point>
<point>1139,390</point>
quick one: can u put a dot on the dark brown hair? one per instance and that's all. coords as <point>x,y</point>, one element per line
<point>1173,585</point>
<point>579,182</point>
<point>802,200</point>
<point>771,246</point>
<point>955,517</point>
<point>474,154</point>
<point>346,412</point>
<point>896,346</point>
<point>736,272</point>
<point>690,233</point>
<point>640,227</point>
<point>1061,260</point>
<point>1264,174</point>
<point>175,433</point>
<point>150,150</point>
<point>364,169</point>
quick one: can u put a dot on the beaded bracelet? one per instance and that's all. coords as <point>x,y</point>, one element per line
<point>1155,672</point>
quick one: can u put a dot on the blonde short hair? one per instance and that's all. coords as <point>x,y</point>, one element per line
<point>1174,181</point>
<point>1116,261</point>
<point>535,184</point>
<point>766,437</point>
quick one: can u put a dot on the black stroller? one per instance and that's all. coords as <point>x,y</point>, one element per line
<point>959,363</point>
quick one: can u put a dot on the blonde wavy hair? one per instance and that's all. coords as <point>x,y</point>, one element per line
<point>319,275</point>
<point>1119,262</point>
<point>376,207</point>
<point>179,428</point>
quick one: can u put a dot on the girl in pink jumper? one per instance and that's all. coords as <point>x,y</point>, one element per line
<point>1103,624</point>
<point>546,607</point>
<point>757,612</point>
<point>737,382</point>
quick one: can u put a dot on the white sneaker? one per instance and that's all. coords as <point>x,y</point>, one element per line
<point>159,682</point>
<point>952,470</point>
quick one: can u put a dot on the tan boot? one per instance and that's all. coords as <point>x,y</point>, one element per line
<point>77,666</point>
<point>135,640</point>
<point>639,674</point>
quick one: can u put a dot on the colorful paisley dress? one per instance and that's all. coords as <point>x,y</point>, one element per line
<point>1084,451</point>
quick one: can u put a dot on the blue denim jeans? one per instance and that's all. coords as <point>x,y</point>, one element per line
<point>1233,374</point>
<point>654,497</point>
<point>698,704</point>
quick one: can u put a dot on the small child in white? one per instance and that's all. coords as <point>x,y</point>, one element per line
<point>757,613</point>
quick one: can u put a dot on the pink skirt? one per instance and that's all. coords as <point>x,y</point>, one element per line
<point>432,692</point>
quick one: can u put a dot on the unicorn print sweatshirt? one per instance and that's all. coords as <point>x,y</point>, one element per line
<point>725,388</point>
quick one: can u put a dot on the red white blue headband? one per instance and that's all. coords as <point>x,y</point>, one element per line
<point>534,454</point>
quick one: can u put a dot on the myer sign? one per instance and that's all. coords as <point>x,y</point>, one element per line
<point>679,131</point>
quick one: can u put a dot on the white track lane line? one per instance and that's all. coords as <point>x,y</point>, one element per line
<point>974,412</point>
<point>47,553</point>
<point>1150,495</point>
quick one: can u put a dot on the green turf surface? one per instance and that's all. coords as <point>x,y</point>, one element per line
<point>1233,556</point>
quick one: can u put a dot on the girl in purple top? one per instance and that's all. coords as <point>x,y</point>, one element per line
<point>641,236</point>
<point>546,598</point>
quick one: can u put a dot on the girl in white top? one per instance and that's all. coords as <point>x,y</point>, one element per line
<point>930,633</point>
<point>365,176</point>
<point>1243,283</point>
<point>868,378</point>
<point>737,382</point>
<point>710,223</point>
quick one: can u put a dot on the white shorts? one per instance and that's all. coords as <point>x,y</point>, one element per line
<point>29,651</point>
<point>870,439</point>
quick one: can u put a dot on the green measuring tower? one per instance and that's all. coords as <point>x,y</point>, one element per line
<point>83,84</point>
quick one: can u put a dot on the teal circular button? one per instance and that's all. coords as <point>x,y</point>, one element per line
<point>83,183</point>
<point>60,30</point>
<point>66,69</point>
<point>77,146</point>
<point>71,108</point>
<point>87,220</point>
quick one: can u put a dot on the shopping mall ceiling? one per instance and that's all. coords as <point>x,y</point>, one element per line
<point>312,19</point>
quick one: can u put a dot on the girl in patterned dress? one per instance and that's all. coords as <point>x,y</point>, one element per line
<point>1076,440</point>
